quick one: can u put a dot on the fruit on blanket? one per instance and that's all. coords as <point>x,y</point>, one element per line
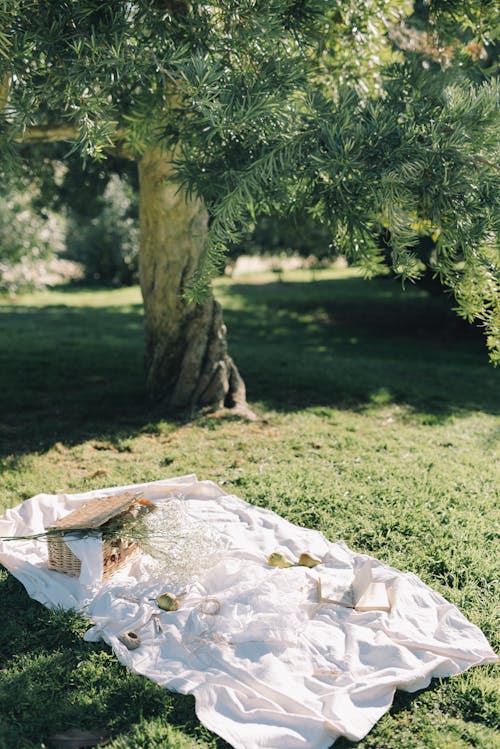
<point>168,602</point>
<point>306,560</point>
<point>277,559</point>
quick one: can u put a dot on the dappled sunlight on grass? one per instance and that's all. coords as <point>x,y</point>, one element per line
<point>75,296</point>
<point>71,361</point>
<point>342,341</point>
<point>378,426</point>
<point>68,371</point>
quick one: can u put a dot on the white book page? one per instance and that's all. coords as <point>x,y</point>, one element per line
<point>357,591</point>
<point>374,598</point>
<point>362,580</point>
<point>335,586</point>
<point>369,595</point>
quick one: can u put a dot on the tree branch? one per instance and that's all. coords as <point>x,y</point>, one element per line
<point>55,133</point>
<point>4,90</point>
<point>481,160</point>
<point>48,134</point>
<point>41,134</point>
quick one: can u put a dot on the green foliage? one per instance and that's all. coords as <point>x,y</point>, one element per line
<point>27,237</point>
<point>479,19</point>
<point>286,106</point>
<point>417,170</point>
<point>358,44</point>
<point>107,244</point>
<point>291,234</point>
<point>380,426</point>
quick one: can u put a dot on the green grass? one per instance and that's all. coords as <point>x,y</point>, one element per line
<point>379,426</point>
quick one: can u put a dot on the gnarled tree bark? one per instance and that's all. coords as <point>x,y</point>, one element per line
<point>187,362</point>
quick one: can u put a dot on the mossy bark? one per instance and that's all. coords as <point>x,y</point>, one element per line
<point>187,363</point>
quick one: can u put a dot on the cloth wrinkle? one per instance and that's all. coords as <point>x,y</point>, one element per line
<point>270,666</point>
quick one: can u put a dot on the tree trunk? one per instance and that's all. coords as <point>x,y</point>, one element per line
<point>186,357</point>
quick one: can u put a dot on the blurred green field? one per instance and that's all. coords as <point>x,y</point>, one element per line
<point>378,424</point>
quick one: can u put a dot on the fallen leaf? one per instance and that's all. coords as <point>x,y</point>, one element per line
<point>100,472</point>
<point>104,446</point>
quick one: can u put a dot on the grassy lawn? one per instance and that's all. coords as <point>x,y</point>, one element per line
<point>379,425</point>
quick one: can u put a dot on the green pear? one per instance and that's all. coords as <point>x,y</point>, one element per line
<point>306,560</point>
<point>168,602</point>
<point>277,559</point>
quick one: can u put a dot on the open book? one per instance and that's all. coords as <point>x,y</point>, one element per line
<point>359,592</point>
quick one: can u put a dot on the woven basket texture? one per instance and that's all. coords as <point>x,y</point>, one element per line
<point>92,515</point>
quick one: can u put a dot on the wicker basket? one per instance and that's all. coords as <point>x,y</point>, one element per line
<point>95,515</point>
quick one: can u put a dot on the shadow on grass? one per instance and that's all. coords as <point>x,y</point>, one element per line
<point>51,680</point>
<point>69,373</point>
<point>350,343</point>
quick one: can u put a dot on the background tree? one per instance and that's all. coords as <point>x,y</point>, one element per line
<point>103,233</point>
<point>30,237</point>
<point>227,108</point>
<point>63,221</point>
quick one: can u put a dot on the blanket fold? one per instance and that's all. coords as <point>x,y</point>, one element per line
<point>270,663</point>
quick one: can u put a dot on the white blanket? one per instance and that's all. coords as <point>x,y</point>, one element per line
<point>268,665</point>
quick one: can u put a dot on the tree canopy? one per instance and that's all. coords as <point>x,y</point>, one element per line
<point>270,105</point>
